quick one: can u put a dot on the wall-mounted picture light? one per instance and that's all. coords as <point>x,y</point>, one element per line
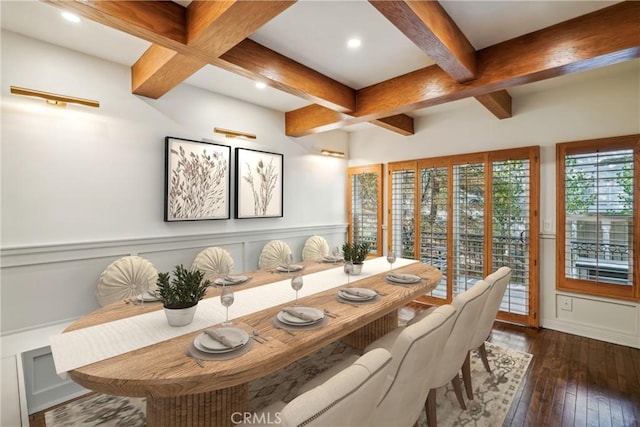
<point>233,134</point>
<point>54,98</point>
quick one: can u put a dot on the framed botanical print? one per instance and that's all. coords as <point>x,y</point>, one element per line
<point>259,184</point>
<point>197,180</point>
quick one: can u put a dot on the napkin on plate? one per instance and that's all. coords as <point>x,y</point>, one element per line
<point>410,278</point>
<point>292,267</point>
<point>354,292</point>
<point>221,338</point>
<point>299,314</point>
<point>231,280</point>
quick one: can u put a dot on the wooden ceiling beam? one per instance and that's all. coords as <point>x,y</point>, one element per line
<point>212,28</point>
<point>179,49</point>
<point>430,28</point>
<point>400,123</point>
<point>583,43</point>
<point>498,103</point>
<point>255,61</point>
<point>163,22</point>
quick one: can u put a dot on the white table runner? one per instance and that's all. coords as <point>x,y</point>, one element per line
<point>81,347</point>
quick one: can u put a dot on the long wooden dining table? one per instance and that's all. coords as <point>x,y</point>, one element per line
<point>179,392</point>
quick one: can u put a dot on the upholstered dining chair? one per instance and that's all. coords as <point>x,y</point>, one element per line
<point>345,399</point>
<point>498,282</point>
<point>413,348</point>
<point>273,254</point>
<point>315,248</point>
<point>124,277</point>
<point>452,355</point>
<point>211,261</point>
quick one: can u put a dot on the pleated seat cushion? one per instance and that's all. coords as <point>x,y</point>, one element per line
<point>273,254</point>
<point>315,248</point>
<point>124,277</point>
<point>211,261</point>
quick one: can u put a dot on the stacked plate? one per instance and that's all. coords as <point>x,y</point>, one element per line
<point>230,280</point>
<point>289,268</point>
<point>329,258</point>
<point>405,279</point>
<point>300,316</point>
<point>357,294</point>
<point>221,340</point>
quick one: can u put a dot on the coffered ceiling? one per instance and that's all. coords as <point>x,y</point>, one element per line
<point>414,55</point>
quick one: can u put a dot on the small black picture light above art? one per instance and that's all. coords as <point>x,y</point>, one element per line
<point>54,98</point>
<point>234,133</point>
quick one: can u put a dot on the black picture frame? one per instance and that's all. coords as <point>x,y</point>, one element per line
<point>259,184</point>
<point>197,180</point>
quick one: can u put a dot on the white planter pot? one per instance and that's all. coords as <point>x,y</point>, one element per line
<point>357,269</point>
<point>180,316</point>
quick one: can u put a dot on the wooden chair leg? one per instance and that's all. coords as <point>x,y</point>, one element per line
<point>455,382</point>
<point>430,407</point>
<point>483,355</point>
<point>466,375</point>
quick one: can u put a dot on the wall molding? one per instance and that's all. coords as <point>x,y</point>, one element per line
<point>61,252</point>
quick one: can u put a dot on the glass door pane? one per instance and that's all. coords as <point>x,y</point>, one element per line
<point>434,217</point>
<point>468,225</point>
<point>510,230</point>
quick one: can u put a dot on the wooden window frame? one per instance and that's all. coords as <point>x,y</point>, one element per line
<point>595,288</point>
<point>532,153</point>
<point>378,169</point>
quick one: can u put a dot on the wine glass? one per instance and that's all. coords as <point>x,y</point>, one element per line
<point>226,298</point>
<point>296,284</point>
<point>289,261</point>
<point>336,254</point>
<point>223,273</point>
<point>348,269</point>
<point>139,288</point>
<point>391,258</point>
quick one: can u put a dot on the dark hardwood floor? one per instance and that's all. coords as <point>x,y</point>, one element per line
<point>572,381</point>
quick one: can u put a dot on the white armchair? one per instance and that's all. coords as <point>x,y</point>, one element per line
<point>414,349</point>
<point>345,399</point>
<point>498,282</point>
<point>452,355</point>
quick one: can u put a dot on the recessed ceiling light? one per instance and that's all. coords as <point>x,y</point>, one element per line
<point>354,43</point>
<point>261,85</point>
<point>71,17</point>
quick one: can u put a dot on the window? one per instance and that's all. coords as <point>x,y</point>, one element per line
<point>364,206</point>
<point>468,215</point>
<point>597,207</point>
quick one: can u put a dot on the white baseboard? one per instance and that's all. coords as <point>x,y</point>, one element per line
<point>589,331</point>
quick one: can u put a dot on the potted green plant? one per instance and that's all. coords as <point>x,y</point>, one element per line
<point>180,295</point>
<point>356,253</point>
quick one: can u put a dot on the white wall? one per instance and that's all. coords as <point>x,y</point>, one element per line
<point>82,187</point>
<point>594,104</point>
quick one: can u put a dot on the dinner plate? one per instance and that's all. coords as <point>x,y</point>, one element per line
<point>332,259</point>
<point>403,278</point>
<point>364,294</point>
<point>230,280</point>
<point>290,319</point>
<point>292,267</point>
<point>204,342</point>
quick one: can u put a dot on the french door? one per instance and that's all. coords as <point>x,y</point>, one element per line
<point>469,215</point>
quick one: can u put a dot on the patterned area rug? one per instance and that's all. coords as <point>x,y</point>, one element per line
<point>493,393</point>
